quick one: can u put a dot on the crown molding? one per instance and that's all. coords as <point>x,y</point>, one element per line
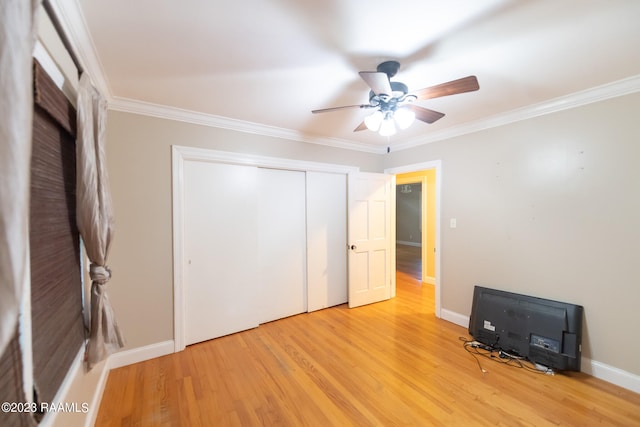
<point>585,97</point>
<point>172,113</point>
<point>72,20</point>
<point>75,27</point>
<point>600,93</point>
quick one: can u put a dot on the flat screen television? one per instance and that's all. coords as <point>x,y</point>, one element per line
<point>543,331</point>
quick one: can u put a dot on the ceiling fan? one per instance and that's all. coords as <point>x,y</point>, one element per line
<point>393,103</point>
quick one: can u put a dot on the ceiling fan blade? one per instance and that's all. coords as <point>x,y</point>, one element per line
<point>326,110</point>
<point>424,114</point>
<point>360,127</point>
<point>378,82</point>
<point>465,84</point>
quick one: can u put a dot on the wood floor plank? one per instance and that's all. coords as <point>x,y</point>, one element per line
<point>385,364</point>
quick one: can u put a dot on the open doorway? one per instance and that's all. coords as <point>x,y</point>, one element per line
<point>409,228</point>
<point>419,256</point>
<point>415,223</point>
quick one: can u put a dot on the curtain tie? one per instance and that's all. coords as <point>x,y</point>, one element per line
<point>99,274</point>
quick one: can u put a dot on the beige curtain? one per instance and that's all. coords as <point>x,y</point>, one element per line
<point>17,30</point>
<point>95,218</point>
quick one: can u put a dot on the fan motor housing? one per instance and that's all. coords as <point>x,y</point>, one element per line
<point>398,90</point>
<point>390,68</point>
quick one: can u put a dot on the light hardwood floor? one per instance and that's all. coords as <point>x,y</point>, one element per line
<point>409,260</point>
<point>386,364</point>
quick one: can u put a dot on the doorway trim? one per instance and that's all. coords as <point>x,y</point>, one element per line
<point>181,154</point>
<point>437,165</point>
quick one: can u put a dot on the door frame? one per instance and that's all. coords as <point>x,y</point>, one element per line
<point>437,165</point>
<point>182,154</point>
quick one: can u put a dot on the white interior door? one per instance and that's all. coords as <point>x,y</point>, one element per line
<point>370,237</point>
<point>220,248</point>
<point>326,239</point>
<point>282,286</point>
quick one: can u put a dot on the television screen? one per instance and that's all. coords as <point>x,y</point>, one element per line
<point>543,331</point>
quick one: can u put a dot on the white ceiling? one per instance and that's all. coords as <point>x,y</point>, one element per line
<point>267,63</point>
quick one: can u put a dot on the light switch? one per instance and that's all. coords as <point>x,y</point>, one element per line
<point>453,223</point>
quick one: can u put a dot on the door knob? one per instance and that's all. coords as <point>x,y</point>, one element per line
<point>353,247</point>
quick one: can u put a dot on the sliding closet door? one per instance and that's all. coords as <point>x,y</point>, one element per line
<point>326,239</point>
<point>282,244</point>
<point>221,248</point>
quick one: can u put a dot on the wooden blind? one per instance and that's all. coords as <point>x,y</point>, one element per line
<point>56,288</point>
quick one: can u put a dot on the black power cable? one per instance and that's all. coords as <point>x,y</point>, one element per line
<point>477,350</point>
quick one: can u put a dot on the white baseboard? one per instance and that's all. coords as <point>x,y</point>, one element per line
<point>140,354</point>
<point>94,406</point>
<point>118,360</point>
<point>75,368</point>
<point>596,369</point>
<point>402,242</point>
<point>611,374</point>
<point>453,317</point>
<point>429,280</point>
<point>76,372</point>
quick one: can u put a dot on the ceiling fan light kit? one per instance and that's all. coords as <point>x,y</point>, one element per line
<point>393,103</point>
<point>386,122</point>
<point>374,120</point>
<point>404,117</point>
<point>387,128</point>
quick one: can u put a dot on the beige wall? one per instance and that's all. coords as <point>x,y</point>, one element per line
<point>139,165</point>
<point>548,207</point>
